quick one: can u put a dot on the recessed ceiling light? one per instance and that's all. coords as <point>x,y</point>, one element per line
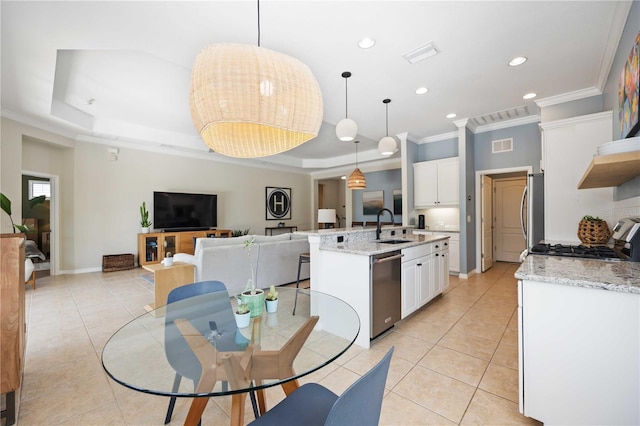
<point>421,90</point>
<point>518,60</point>
<point>452,115</point>
<point>343,177</point>
<point>366,43</point>
<point>530,95</point>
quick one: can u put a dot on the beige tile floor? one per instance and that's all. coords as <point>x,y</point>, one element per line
<point>455,360</point>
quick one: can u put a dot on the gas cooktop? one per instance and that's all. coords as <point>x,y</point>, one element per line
<point>597,252</point>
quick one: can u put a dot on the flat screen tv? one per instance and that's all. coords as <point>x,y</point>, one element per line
<point>176,211</point>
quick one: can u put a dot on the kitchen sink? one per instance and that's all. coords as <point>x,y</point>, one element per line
<point>393,241</point>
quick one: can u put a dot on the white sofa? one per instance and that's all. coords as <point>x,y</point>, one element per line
<point>274,260</point>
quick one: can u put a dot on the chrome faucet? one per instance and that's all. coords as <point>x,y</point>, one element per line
<point>378,228</point>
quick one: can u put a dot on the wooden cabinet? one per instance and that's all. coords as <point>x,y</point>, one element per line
<point>153,247</point>
<point>436,183</point>
<point>12,314</point>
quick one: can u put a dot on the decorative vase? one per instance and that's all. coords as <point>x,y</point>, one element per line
<point>255,300</point>
<point>242,320</point>
<point>272,305</point>
<point>144,230</point>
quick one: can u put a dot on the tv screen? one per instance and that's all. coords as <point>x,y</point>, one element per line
<point>181,211</point>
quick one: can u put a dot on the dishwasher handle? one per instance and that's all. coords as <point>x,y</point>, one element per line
<point>388,259</point>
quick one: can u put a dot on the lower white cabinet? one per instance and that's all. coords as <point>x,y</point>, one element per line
<point>453,244</point>
<point>425,274</point>
<point>579,354</point>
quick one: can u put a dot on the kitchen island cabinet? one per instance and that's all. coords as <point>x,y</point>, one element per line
<point>579,340</point>
<point>342,269</point>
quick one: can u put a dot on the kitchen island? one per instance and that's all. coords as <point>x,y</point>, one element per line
<point>579,340</point>
<point>341,266</point>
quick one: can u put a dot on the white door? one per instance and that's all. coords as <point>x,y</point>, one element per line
<point>509,241</point>
<point>487,223</point>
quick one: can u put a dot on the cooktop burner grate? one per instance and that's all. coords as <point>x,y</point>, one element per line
<point>597,252</point>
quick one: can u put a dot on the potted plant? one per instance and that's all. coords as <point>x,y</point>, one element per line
<point>5,204</point>
<point>252,296</point>
<point>145,223</point>
<point>271,300</point>
<point>242,314</point>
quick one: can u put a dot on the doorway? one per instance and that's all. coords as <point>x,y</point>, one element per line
<point>500,236</point>
<point>41,219</point>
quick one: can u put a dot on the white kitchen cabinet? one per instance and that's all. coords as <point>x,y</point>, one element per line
<point>453,244</point>
<point>436,183</point>
<point>578,354</point>
<point>440,268</point>
<point>568,147</point>
<point>417,277</point>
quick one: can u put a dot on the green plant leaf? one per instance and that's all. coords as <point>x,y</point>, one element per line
<point>36,201</point>
<point>5,203</point>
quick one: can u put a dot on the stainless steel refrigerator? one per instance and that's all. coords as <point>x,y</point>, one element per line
<point>532,209</point>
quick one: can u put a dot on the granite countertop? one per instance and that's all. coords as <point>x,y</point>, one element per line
<point>372,247</point>
<point>619,276</point>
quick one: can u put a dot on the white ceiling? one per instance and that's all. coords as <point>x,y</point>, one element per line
<point>134,59</point>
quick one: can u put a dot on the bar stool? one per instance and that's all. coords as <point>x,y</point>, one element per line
<point>303,258</point>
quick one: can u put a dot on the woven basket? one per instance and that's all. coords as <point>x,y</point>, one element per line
<point>594,232</point>
<point>117,262</point>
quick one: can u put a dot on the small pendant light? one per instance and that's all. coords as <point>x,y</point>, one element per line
<point>346,129</point>
<point>387,145</point>
<point>356,178</point>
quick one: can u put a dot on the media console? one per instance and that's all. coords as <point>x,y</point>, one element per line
<point>153,247</point>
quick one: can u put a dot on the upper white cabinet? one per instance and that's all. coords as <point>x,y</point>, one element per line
<point>436,183</point>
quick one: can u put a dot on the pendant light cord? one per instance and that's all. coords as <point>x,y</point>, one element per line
<point>387,108</point>
<point>258,23</point>
<point>346,98</point>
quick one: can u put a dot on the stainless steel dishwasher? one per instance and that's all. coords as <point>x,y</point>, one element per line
<point>385,291</point>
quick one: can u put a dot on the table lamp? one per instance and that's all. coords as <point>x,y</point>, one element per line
<point>327,217</point>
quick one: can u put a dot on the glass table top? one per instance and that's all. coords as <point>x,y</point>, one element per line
<point>198,339</point>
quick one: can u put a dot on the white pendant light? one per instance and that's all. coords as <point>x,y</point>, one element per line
<point>356,178</point>
<point>247,101</point>
<point>387,145</point>
<point>346,129</point>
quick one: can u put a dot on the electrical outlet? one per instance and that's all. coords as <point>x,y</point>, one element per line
<point>468,218</point>
<point>340,238</point>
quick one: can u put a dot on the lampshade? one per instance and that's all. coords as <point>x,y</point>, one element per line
<point>387,145</point>
<point>346,129</point>
<point>357,180</point>
<point>247,101</point>
<point>326,215</point>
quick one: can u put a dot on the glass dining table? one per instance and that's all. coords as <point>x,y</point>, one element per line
<point>193,348</point>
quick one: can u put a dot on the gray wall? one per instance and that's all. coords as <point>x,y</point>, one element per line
<point>526,148</point>
<point>438,150</point>
<point>387,181</point>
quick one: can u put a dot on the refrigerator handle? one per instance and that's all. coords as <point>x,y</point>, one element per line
<point>522,207</point>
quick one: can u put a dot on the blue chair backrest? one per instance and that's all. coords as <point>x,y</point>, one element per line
<point>213,306</point>
<point>361,403</point>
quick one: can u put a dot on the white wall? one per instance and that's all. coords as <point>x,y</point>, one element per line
<point>100,199</point>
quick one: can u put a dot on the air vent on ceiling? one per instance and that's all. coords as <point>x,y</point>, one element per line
<point>502,145</point>
<point>507,114</point>
<point>421,53</point>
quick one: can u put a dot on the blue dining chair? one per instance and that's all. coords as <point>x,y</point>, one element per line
<point>312,404</point>
<point>212,315</point>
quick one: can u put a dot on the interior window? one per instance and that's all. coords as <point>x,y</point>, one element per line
<point>38,188</point>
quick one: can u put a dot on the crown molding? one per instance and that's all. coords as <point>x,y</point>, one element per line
<point>568,97</point>
<point>616,29</point>
<point>530,119</point>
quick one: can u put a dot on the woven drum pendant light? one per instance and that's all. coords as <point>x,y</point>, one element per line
<point>346,129</point>
<point>247,101</point>
<point>387,145</point>
<point>356,178</point>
